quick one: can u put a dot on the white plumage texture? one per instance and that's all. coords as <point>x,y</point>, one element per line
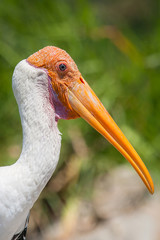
<point>22,182</point>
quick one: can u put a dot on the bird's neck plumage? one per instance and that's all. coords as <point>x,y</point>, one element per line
<point>41,138</point>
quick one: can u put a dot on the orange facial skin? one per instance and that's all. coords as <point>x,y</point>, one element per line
<point>50,59</point>
<point>78,99</point>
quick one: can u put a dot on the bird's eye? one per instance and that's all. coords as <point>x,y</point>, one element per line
<point>62,67</point>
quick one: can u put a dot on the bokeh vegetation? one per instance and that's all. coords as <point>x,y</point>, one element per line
<point>116,45</point>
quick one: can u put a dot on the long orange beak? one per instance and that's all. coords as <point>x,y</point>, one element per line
<point>84,101</point>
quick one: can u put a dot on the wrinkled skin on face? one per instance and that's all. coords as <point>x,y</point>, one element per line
<point>51,58</point>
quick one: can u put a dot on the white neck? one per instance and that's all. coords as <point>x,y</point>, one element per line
<point>41,138</point>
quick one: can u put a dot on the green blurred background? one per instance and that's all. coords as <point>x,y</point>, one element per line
<point>116,45</point>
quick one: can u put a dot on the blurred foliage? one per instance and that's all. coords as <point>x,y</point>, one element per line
<point>117,49</point>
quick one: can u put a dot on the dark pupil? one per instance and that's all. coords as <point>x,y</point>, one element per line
<point>62,67</point>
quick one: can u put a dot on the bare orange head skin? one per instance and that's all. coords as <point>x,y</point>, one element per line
<point>51,59</point>
<point>75,98</point>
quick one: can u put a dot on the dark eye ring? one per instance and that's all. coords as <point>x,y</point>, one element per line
<point>62,67</point>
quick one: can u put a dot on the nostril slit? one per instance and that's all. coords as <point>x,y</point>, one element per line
<point>81,79</point>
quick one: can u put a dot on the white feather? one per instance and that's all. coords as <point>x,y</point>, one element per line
<point>22,182</point>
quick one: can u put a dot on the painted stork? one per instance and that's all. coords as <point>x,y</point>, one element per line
<point>48,86</point>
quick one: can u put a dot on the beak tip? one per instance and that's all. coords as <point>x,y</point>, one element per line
<point>152,190</point>
<point>150,187</point>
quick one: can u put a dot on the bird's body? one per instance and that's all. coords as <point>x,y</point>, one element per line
<point>47,87</point>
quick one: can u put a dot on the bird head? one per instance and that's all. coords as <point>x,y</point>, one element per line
<point>63,76</point>
<point>72,97</point>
